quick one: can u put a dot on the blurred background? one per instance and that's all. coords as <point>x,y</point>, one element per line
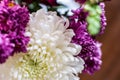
<point>110,69</point>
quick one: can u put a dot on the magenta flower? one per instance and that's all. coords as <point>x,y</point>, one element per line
<point>13,21</point>
<point>91,52</point>
<point>13,17</point>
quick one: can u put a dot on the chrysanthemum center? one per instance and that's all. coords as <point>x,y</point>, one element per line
<point>33,66</point>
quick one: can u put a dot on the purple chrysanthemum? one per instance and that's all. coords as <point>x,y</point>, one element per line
<point>6,48</point>
<point>93,61</point>
<point>91,52</point>
<point>13,21</point>
<point>13,17</point>
<point>103,18</point>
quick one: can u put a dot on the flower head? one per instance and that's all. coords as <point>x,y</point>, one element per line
<point>50,54</point>
<point>13,21</point>
<point>13,17</point>
<point>90,52</point>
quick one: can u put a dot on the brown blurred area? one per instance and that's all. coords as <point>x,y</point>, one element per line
<point>110,69</point>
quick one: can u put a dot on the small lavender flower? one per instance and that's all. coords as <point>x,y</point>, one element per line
<point>91,52</point>
<point>6,48</point>
<point>103,18</point>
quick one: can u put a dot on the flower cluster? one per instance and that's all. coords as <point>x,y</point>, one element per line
<point>13,20</point>
<point>91,52</point>
<point>50,39</point>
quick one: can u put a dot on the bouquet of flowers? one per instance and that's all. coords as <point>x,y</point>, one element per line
<point>50,39</point>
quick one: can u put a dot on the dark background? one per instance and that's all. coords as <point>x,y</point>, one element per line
<point>110,69</point>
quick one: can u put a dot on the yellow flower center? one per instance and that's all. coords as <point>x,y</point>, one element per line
<point>34,65</point>
<point>11,4</point>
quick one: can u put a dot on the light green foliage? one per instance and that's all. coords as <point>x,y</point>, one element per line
<point>93,18</point>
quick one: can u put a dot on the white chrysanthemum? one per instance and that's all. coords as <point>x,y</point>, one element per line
<point>50,54</point>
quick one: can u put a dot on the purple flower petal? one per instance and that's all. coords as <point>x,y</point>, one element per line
<point>6,48</point>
